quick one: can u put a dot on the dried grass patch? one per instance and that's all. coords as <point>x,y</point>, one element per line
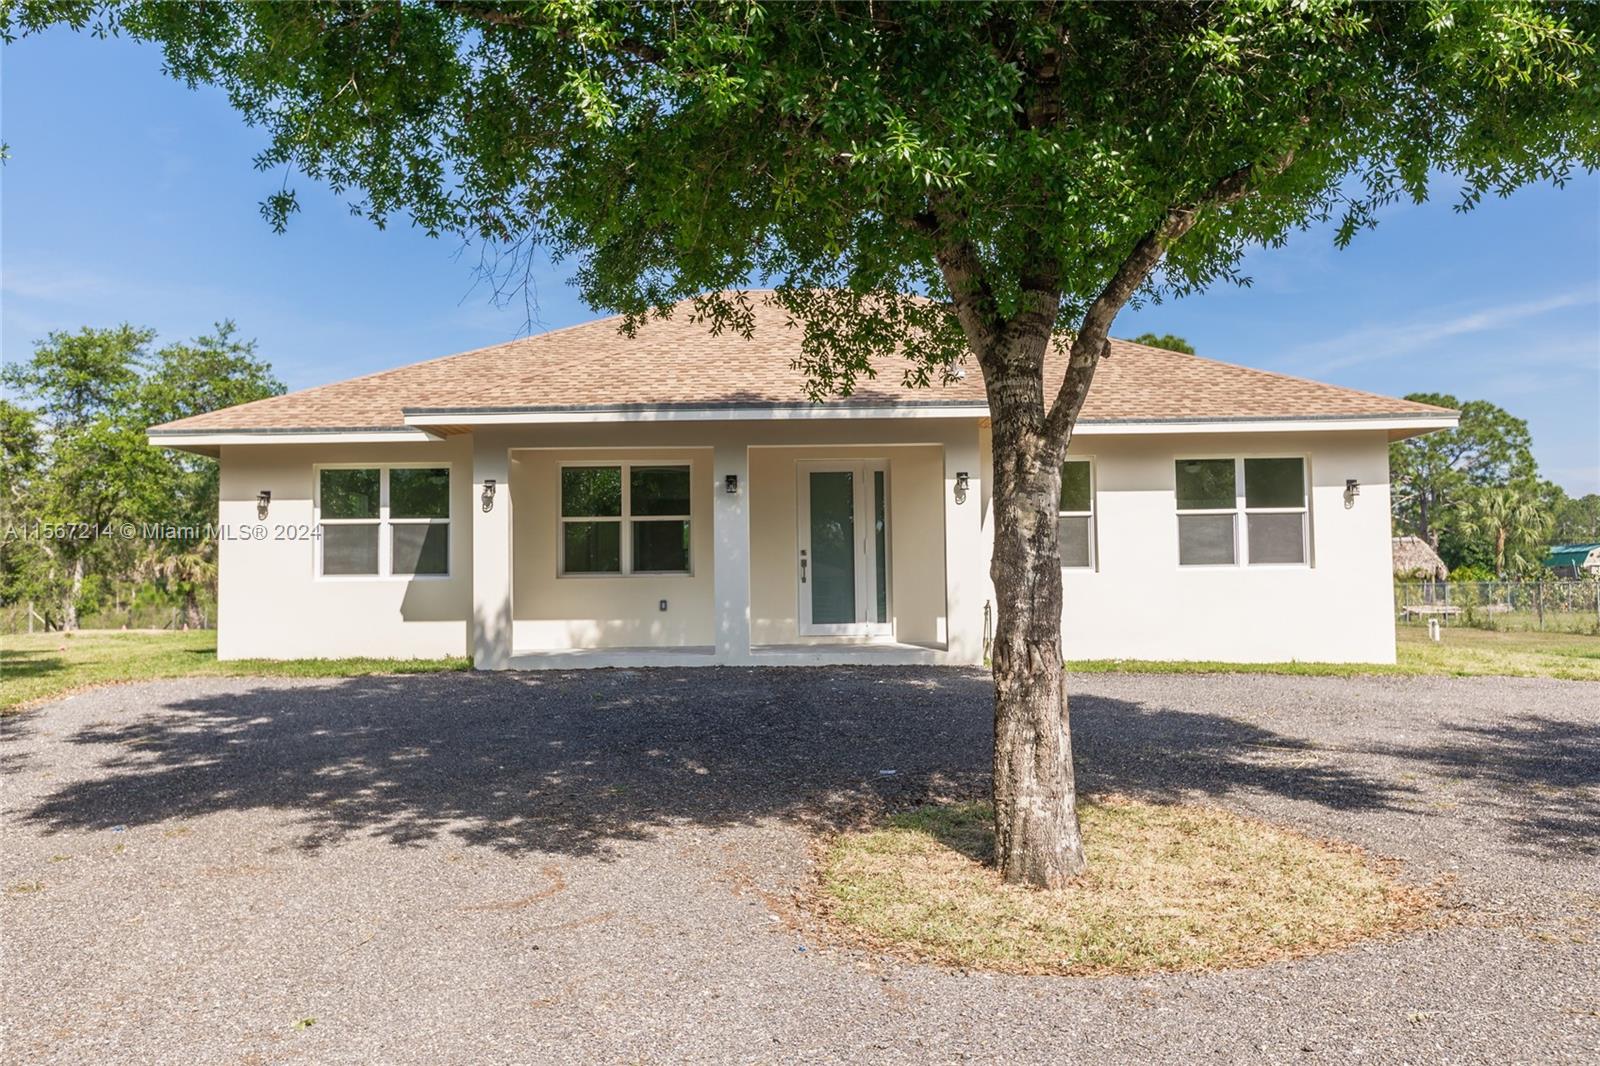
<point>1168,888</point>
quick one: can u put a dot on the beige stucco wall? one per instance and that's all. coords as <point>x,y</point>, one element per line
<point>551,611</point>
<point>916,540</point>
<point>1138,603</point>
<point>271,604</point>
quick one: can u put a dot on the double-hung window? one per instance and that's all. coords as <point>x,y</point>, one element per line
<point>1275,511</point>
<point>1075,514</point>
<point>625,518</point>
<point>383,521</point>
<point>1212,494</point>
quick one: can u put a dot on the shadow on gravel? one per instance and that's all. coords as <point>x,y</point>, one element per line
<point>1543,774</point>
<point>573,763</point>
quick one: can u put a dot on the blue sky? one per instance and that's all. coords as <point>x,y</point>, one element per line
<point>131,198</point>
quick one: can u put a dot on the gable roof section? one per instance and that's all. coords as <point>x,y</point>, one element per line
<point>676,364</point>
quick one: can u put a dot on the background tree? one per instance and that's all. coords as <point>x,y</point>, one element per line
<point>1033,167</point>
<point>1577,521</point>
<point>1510,524</point>
<point>23,565</point>
<point>1169,341</point>
<point>1432,474</point>
<point>76,460</point>
<point>83,385</point>
<point>208,373</point>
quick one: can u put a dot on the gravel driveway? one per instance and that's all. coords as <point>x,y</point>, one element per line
<point>601,866</point>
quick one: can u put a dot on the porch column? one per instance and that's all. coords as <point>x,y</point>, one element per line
<point>730,517</point>
<point>966,563</point>
<point>491,554</point>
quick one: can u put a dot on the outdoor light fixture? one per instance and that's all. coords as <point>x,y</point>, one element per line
<point>488,494</point>
<point>1352,489</point>
<point>962,481</point>
<point>263,501</point>
<point>730,484</point>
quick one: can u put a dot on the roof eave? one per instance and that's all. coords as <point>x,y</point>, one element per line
<point>431,424</point>
<point>205,441</point>
<point>1399,423</point>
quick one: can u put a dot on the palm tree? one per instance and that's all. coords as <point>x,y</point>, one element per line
<point>188,573</point>
<point>1513,520</point>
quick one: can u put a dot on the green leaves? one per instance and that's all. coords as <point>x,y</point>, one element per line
<point>75,450</point>
<point>671,149</point>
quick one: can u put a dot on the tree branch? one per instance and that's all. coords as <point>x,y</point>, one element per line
<point>1091,342</point>
<point>964,275</point>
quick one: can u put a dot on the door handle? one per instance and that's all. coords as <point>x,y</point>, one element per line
<point>802,567</point>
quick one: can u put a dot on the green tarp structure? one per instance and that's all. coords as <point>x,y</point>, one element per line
<point>1572,558</point>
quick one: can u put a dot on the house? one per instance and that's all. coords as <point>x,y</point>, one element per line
<point>1415,560</point>
<point>586,498</point>
<point>1574,560</point>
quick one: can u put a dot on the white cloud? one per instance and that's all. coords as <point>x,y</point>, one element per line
<point>1375,342</point>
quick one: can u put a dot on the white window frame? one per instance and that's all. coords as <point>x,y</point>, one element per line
<point>1304,511</point>
<point>625,519</point>
<point>1241,513</point>
<point>1091,514</point>
<point>384,522</point>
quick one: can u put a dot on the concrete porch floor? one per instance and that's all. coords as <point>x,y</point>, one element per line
<point>879,653</point>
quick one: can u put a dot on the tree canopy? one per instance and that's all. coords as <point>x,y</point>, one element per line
<point>1169,341</point>
<point>859,152</point>
<point>76,459</point>
<point>1433,475</point>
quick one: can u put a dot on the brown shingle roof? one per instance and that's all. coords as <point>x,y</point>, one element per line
<point>677,362</point>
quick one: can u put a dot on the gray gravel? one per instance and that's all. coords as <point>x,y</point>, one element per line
<point>601,866</point>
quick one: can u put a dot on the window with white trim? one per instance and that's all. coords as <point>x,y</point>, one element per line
<point>1269,492</point>
<point>383,521</point>
<point>625,518</point>
<point>1075,514</point>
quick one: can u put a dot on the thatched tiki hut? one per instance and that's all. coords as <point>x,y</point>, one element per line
<point>1415,560</point>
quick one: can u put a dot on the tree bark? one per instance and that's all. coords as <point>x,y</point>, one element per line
<point>1037,837</point>
<point>191,610</point>
<point>1038,841</point>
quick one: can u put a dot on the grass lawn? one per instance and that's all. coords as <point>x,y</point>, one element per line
<point>41,666</point>
<point>44,665</point>
<point>1170,888</point>
<point>1462,652</point>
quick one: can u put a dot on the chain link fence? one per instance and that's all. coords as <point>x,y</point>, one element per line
<point>22,618</point>
<point>1549,606</point>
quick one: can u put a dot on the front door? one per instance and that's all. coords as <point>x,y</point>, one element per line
<point>844,548</point>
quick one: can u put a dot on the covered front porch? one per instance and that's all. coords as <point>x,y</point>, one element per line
<point>707,542</point>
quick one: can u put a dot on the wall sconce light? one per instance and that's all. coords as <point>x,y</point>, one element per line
<point>730,484</point>
<point>962,481</point>
<point>1352,489</point>
<point>263,501</point>
<point>488,495</point>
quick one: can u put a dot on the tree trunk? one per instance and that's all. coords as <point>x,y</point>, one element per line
<point>1037,838</point>
<point>191,611</point>
<point>69,609</point>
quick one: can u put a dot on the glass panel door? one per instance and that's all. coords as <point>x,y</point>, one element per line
<point>833,552</point>
<point>880,546</point>
<point>844,586</point>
